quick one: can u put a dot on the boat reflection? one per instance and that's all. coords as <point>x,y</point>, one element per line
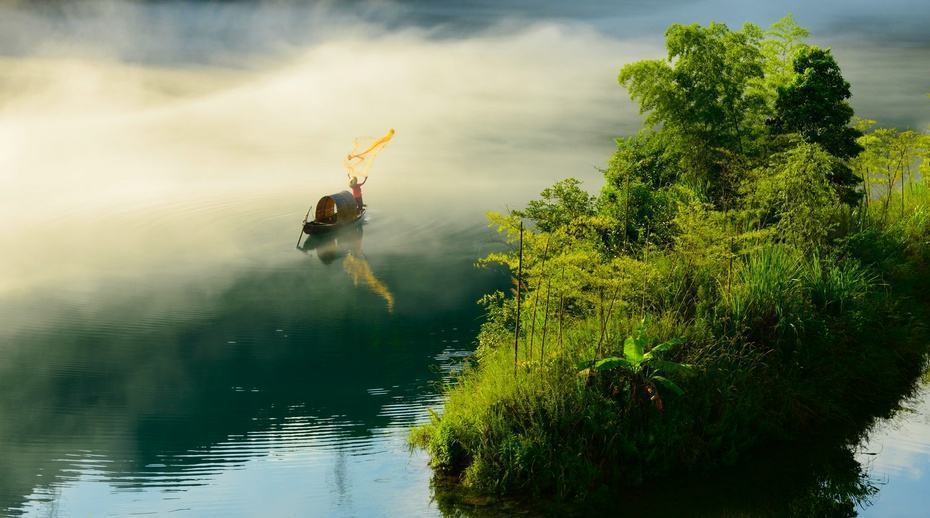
<point>346,244</point>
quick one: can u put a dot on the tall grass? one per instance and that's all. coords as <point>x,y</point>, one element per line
<point>767,299</point>
<point>788,346</point>
<point>784,342</point>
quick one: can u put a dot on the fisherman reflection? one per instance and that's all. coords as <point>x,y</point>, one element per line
<point>346,244</point>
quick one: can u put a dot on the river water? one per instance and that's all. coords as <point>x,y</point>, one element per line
<point>165,348</point>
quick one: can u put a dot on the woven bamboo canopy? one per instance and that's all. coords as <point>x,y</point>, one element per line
<point>337,208</point>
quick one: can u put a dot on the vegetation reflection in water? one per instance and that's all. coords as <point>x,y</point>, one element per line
<point>815,480</point>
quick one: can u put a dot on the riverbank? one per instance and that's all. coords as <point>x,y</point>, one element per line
<point>820,367</point>
<point>753,272</point>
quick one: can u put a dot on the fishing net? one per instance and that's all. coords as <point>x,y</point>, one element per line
<point>364,151</point>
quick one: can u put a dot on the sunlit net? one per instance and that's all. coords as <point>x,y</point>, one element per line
<point>364,151</point>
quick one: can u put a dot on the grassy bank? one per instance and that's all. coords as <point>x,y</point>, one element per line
<point>750,273</point>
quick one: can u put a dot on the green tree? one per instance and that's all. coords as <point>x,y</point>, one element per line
<point>641,192</point>
<point>794,196</point>
<point>699,99</point>
<point>887,162</point>
<point>815,107</point>
<point>559,205</point>
<point>784,41</point>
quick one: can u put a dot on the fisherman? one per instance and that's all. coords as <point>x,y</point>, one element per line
<point>357,190</point>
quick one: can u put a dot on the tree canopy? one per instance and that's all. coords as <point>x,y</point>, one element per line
<point>723,102</point>
<point>815,106</point>
<point>699,99</point>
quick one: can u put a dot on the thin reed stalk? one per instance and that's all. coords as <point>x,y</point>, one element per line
<point>529,351</point>
<point>542,347</point>
<point>516,331</point>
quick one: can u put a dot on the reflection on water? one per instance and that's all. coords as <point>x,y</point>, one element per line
<point>813,480</point>
<point>357,267</point>
<point>897,454</point>
<point>886,474</point>
<point>346,243</point>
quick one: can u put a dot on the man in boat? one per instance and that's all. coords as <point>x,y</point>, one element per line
<point>357,190</point>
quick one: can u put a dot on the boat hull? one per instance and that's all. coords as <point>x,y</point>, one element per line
<point>319,227</point>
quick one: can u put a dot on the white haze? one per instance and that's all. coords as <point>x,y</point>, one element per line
<point>101,159</point>
<point>143,135</point>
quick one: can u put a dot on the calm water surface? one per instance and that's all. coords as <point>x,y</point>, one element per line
<point>282,383</point>
<point>166,349</point>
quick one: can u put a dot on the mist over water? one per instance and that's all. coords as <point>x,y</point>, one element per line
<point>163,345</point>
<point>113,113</point>
<point>105,146</point>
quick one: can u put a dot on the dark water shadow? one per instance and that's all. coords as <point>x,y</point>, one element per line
<point>826,475</point>
<point>816,480</point>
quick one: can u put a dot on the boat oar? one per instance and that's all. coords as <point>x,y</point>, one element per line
<point>301,235</point>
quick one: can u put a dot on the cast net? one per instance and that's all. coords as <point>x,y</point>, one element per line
<point>364,151</point>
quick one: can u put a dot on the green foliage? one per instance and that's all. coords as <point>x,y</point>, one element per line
<point>766,303</point>
<point>794,196</point>
<point>834,286</point>
<point>700,97</point>
<point>641,193</point>
<point>888,163</point>
<point>815,106</point>
<point>646,157</point>
<point>643,370</point>
<point>559,206</point>
<point>925,159</point>
<point>784,41</point>
<point>776,303</point>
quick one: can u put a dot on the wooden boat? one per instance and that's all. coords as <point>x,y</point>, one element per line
<point>334,212</point>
